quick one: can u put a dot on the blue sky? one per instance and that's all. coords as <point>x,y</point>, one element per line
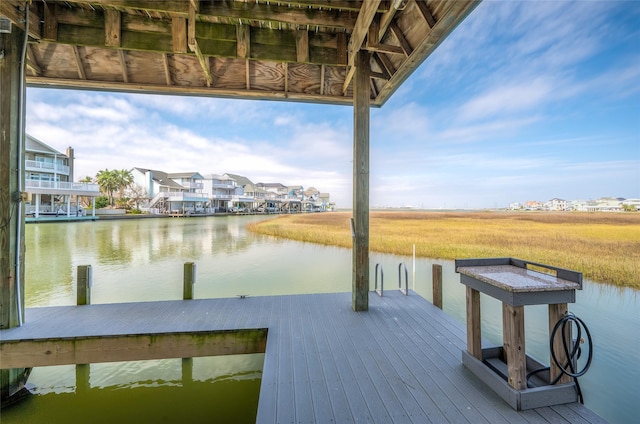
<point>524,101</point>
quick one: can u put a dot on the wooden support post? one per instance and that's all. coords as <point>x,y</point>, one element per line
<point>189,280</point>
<point>436,271</point>
<point>84,283</point>
<point>556,312</point>
<point>11,217</point>
<point>474,331</point>
<point>361,98</point>
<point>514,346</point>
<point>83,374</point>
<point>187,371</point>
<point>11,155</point>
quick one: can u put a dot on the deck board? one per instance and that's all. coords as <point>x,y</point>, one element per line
<point>398,362</point>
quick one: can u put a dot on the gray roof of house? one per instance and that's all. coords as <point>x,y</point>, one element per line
<point>32,144</point>
<point>161,177</point>
<point>195,175</point>
<point>271,185</point>
<point>240,180</point>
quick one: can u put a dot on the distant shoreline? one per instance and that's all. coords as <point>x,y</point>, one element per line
<point>605,247</point>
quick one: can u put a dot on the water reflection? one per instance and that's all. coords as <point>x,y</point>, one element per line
<point>198,390</point>
<point>143,259</point>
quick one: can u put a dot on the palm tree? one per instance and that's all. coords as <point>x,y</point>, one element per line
<point>108,182</point>
<point>124,179</point>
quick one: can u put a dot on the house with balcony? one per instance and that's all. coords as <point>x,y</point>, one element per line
<point>556,204</point>
<point>172,192</point>
<point>49,183</point>
<point>226,194</point>
<point>276,195</point>
<point>606,204</point>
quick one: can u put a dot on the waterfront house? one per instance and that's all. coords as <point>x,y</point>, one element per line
<point>556,204</point>
<point>280,190</point>
<point>226,194</point>
<point>171,192</point>
<point>49,182</point>
<point>323,202</point>
<point>605,204</point>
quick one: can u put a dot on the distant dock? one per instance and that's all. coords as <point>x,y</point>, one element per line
<point>399,362</point>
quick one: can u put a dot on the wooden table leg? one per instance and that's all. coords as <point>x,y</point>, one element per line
<point>474,334</point>
<point>556,312</point>
<point>514,348</point>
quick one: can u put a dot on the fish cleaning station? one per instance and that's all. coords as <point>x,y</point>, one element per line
<point>346,357</point>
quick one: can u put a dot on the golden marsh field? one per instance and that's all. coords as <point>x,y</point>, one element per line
<point>605,247</point>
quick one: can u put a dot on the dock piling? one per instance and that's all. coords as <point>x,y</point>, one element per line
<point>84,282</point>
<point>189,280</point>
<point>436,271</point>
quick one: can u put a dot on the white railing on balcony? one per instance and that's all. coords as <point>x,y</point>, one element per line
<point>224,185</point>
<point>221,196</point>
<point>194,185</point>
<point>173,195</point>
<point>61,185</point>
<point>33,165</point>
<point>243,198</point>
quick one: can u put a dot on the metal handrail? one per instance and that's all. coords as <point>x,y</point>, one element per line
<point>381,291</point>
<point>404,291</point>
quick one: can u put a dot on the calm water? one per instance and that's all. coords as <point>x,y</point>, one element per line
<point>136,260</point>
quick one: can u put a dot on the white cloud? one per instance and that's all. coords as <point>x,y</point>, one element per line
<point>524,100</point>
<point>506,100</point>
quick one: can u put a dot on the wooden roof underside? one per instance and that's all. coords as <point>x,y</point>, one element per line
<point>300,50</point>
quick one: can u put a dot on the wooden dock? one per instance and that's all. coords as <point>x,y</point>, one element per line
<point>399,362</point>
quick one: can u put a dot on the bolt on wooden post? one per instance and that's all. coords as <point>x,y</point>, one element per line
<point>84,282</point>
<point>189,280</point>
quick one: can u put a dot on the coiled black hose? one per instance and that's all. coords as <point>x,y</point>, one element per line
<point>572,351</point>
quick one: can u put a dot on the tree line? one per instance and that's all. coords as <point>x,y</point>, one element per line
<point>117,187</point>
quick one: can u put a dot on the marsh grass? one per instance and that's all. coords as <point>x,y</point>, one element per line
<point>605,247</point>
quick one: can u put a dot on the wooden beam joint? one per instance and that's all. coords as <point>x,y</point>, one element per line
<point>112,28</point>
<point>360,31</point>
<point>50,24</point>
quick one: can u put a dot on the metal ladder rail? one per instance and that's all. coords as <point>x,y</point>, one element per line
<point>404,291</point>
<point>381,291</point>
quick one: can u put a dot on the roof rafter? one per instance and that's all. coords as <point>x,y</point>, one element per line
<point>262,49</point>
<point>365,17</point>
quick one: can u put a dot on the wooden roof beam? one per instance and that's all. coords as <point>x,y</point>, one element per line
<point>14,10</point>
<point>50,24</point>
<point>426,13</point>
<point>251,11</point>
<point>176,8</point>
<point>182,7</point>
<point>243,43</point>
<point>279,14</point>
<point>353,5</point>
<point>373,40</point>
<point>387,17</point>
<point>192,42</point>
<point>179,34</point>
<point>255,94</point>
<point>404,44</point>
<point>385,64</point>
<point>365,17</point>
<point>123,62</point>
<point>302,46</point>
<point>112,28</point>
<point>167,70</point>
<point>86,28</point>
<point>79,66</point>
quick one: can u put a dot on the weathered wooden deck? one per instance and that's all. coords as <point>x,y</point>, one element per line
<point>399,362</point>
